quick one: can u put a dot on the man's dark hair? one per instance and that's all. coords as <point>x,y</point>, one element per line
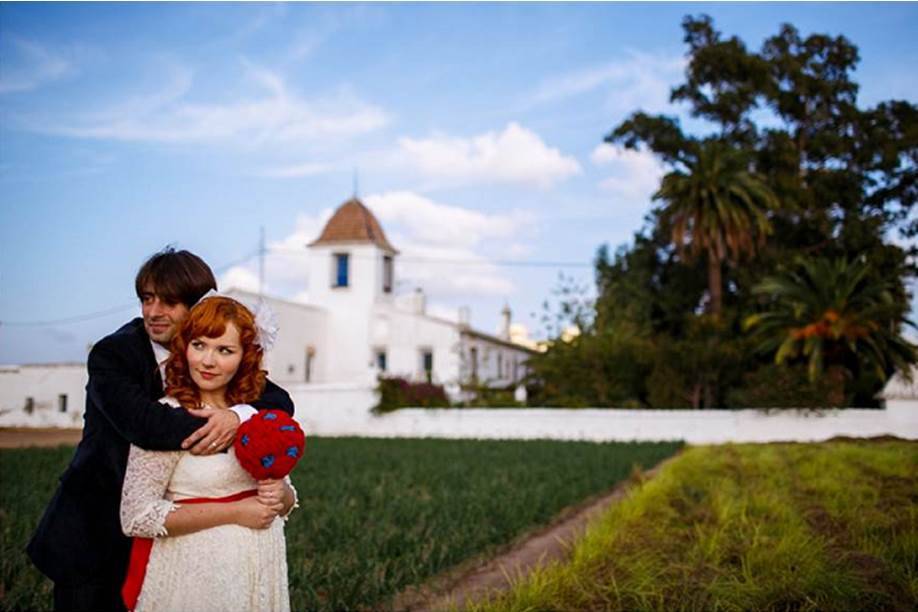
<point>176,276</point>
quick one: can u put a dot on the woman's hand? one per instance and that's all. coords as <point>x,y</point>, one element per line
<point>273,493</point>
<point>253,514</point>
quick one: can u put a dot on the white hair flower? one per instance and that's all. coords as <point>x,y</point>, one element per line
<point>265,319</point>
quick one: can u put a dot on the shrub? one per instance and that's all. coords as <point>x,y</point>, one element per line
<point>395,392</point>
<point>783,386</point>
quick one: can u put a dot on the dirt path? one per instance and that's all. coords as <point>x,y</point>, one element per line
<point>21,437</point>
<point>475,580</point>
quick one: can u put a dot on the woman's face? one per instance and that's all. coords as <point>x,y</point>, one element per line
<point>214,361</point>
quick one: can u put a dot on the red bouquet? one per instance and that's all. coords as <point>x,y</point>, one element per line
<point>269,444</point>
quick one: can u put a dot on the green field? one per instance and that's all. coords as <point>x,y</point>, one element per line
<point>829,526</point>
<point>376,515</point>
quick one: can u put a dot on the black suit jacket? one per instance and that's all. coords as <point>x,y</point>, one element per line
<point>79,538</point>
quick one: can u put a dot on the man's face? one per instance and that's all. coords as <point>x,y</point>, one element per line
<point>160,318</point>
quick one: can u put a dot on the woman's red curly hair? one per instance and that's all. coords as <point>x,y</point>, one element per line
<point>208,319</point>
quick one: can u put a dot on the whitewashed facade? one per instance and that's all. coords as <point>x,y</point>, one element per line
<point>42,395</point>
<point>356,328</point>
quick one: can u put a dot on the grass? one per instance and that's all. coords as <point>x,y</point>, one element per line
<point>830,526</point>
<point>376,515</point>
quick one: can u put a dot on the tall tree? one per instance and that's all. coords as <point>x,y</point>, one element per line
<point>716,207</point>
<point>846,176</point>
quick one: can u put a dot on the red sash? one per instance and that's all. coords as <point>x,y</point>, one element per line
<point>141,547</point>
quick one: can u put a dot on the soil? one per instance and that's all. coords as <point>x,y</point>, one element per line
<point>479,579</point>
<point>22,437</point>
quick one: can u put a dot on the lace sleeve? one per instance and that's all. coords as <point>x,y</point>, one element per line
<point>143,508</point>
<point>296,498</point>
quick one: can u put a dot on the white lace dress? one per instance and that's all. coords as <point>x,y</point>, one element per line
<point>229,567</point>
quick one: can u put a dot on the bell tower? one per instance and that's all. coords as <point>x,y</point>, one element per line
<point>351,268</point>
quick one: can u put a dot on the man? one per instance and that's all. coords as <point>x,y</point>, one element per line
<point>79,543</point>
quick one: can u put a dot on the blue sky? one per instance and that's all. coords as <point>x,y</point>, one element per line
<point>475,130</point>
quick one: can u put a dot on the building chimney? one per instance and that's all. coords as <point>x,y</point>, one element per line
<point>505,328</point>
<point>465,314</point>
<point>418,301</point>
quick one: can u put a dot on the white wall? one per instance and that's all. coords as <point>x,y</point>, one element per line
<point>44,383</point>
<point>332,407</point>
<point>299,326</point>
<point>404,333</point>
<point>345,412</point>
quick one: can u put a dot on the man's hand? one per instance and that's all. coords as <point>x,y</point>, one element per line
<point>217,434</point>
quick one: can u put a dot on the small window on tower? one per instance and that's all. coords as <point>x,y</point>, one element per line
<point>62,402</point>
<point>341,270</point>
<point>381,359</point>
<point>387,274</point>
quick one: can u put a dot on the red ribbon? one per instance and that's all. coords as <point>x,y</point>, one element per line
<point>141,547</point>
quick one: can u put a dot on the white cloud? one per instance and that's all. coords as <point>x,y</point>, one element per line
<point>426,221</point>
<point>239,277</point>
<point>28,65</point>
<point>514,155</point>
<point>288,264</point>
<point>442,245</point>
<point>449,272</point>
<point>638,81</point>
<point>271,114</point>
<point>635,175</point>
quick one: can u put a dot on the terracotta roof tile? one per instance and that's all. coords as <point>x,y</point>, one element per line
<point>354,222</point>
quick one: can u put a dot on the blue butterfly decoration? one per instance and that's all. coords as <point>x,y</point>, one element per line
<point>287,428</point>
<point>267,461</point>
<point>269,416</point>
<point>245,439</point>
<point>292,452</point>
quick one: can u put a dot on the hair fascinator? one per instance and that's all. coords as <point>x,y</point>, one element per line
<point>265,319</point>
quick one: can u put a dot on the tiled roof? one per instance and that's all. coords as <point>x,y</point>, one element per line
<point>354,222</point>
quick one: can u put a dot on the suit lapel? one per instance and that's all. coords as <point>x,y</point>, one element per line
<point>152,377</point>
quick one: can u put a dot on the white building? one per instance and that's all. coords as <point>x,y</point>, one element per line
<point>354,330</point>
<point>42,395</point>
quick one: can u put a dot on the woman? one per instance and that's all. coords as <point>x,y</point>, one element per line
<point>209,554</point>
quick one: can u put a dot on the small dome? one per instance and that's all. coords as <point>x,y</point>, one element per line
<point>354,222</point>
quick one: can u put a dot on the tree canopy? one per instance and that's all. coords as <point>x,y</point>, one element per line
<point>793,167</point>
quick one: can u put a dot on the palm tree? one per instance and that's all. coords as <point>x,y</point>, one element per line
<point>832,312</point>
<point>716,207</point>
